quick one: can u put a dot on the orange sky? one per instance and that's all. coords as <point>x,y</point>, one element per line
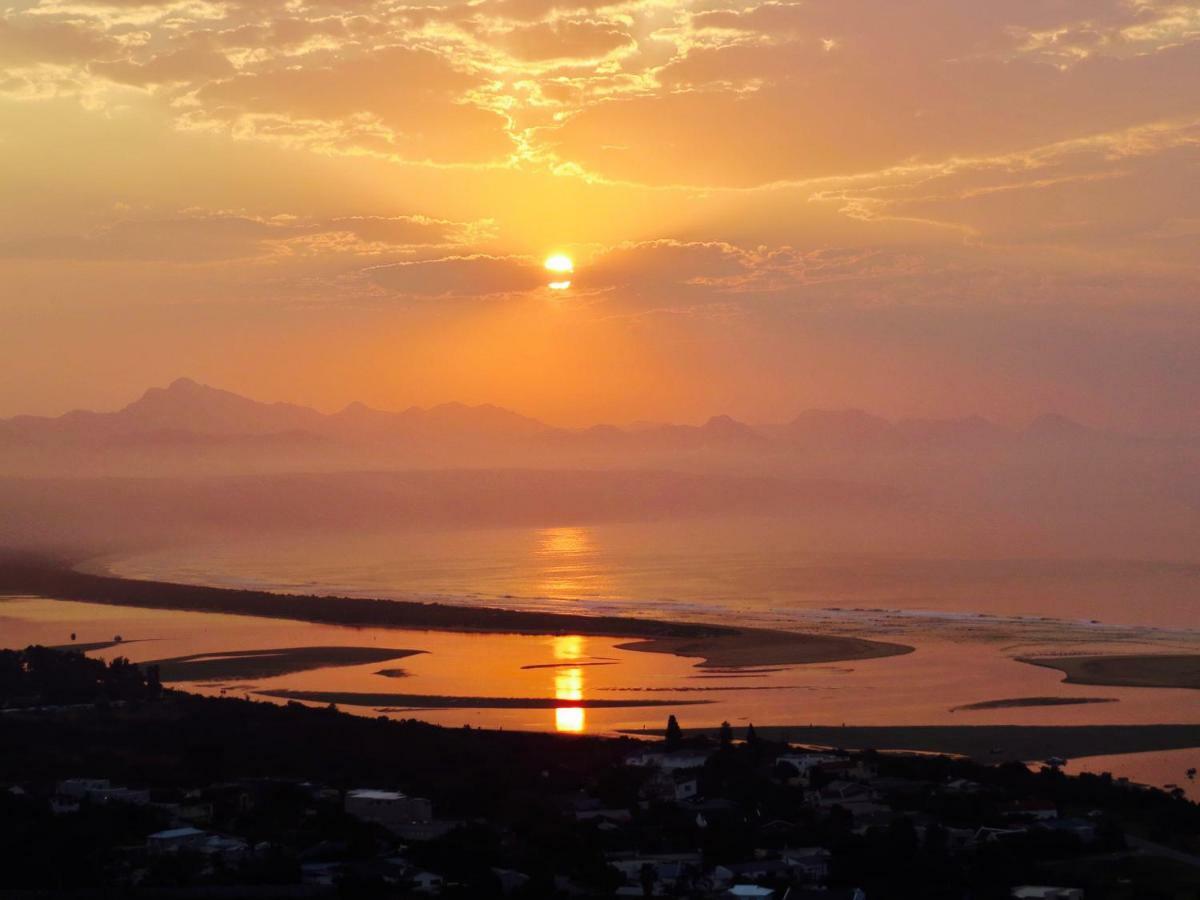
<point>934,208</point>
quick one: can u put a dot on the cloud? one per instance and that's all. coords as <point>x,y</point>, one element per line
<point>410,100</point>
<point>564,39</point>
<point>461,276</point>
<point>200,237</point>
<point>26,41</point>
<point>181,66</point>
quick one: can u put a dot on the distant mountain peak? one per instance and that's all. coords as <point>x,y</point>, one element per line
<point>1052,424</point>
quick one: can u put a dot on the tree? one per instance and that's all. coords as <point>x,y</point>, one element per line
<point>751,736</point>
<point>649,874</point>
<point>726,734</point>
<point>674,734</point>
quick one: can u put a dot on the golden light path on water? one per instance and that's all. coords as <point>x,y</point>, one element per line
<point>568,685</point>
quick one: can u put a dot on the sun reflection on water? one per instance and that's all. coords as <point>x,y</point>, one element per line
<point>568,685</point>
<point>566,560</point>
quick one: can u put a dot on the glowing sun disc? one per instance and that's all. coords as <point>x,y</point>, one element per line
<point>560,263</point>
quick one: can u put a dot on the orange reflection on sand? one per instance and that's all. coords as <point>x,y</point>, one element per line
<point>568,685</point>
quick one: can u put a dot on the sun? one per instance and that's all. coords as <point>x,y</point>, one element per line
<point>559,264</point>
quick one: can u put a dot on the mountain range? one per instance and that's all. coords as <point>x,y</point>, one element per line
<point>186,409</point>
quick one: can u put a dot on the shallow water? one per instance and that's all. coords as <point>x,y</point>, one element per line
<point>921,687</point>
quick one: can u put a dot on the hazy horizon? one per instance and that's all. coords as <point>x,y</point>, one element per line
<point>184,382</point>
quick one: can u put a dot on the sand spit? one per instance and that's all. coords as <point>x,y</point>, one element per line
<point>269,663</point>
<point>718,646</point>
<point>1021,702</point>
<point>756,648</point>
<point>1135,670</point>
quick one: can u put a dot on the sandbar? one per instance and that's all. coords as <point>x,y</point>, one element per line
<point>1175,670</point>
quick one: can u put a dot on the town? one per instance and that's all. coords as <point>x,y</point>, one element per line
<point>112,785</point>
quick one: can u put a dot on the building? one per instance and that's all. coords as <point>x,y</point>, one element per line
<point>175,839</point>
<point>842,793</point>
<point>1040,810</point>
<point>387,808</point>
<point>426,882</point>
<point>670,760</point>
<point>78,788</point>
<point>808,863</point>
<point>120,795</point>
<point>671,785</point>
<point>750,891</point>
<point>803,763</point>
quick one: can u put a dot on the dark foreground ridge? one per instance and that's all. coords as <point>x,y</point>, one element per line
<point>111,785</point>
<point>719,645</point>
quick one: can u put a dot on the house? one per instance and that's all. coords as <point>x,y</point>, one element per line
<point>669,760</point>
<point>613,816</point>
<point>670,870</point>
<point>320,873</point>
<point>962,786</point>
<point>78,788</point>
<point>808,863</point>
<point>1041,810</point>
<point>423,831</point>
<point>387,808</point>
<point>758,870</point>
<point>1082,829</point>
<point>751,891</point>
<point>510,880</point>
<point>63,806</point>
<point>120,795</point>
<point>227,848</point>
<point>425,882</point>
<point>1041,892</point>
<point>901,788</point>
<point>803,764</point>
<point>175,839</point>
<point>986,834</point>
<point>841,793</point>
<point>671,785</point>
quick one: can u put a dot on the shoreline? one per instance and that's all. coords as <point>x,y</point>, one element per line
<point>985,743</point>
<point>719,646</point>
